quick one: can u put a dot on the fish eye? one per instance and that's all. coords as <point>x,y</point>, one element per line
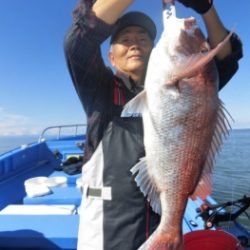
<point>204,50</point>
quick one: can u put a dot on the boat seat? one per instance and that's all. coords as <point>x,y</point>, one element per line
<point>59,195</point>
<point>37,232</point>
<point>38,209</point>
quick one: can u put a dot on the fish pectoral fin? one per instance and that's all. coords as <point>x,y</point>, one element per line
<point>147,187</point>
<point>196,61</point>
<point>136,106</point>
<point>204,187</point>
<point>172,87</point>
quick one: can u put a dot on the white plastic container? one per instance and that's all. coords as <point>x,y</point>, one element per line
<point>56,181</point>
<point>36,186</point>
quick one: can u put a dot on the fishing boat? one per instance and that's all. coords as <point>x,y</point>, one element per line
<point>40,196</point>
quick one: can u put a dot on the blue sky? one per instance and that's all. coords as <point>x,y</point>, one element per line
<point>35,87</point>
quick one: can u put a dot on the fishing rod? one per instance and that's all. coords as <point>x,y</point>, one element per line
<point>214,214</point>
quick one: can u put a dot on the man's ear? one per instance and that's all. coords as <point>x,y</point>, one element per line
<point>111,58</point>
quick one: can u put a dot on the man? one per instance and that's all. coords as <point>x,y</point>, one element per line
<point>114,213</point>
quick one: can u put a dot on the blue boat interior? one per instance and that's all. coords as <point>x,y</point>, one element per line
<point>39,231</point>
<point>30,230</point>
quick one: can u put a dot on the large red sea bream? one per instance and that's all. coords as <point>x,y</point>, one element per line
<point>184,124</point>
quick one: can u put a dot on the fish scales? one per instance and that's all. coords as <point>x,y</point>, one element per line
<point>183,123</point>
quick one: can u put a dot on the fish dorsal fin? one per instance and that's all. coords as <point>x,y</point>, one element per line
<point>135,106</point>
<point>204,187</point>
<point>194,62</point>
<point>146,185</point>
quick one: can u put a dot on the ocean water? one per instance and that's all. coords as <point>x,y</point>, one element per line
<point>11,142</point>
<point>231,178</point>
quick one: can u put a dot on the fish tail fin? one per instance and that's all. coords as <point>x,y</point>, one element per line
<point>162,241</point>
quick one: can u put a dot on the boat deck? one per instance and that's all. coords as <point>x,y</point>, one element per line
<point>50,221</point>
<point>41,226</point>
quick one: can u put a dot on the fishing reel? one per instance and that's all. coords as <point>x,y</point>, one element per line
<point>212,215</point>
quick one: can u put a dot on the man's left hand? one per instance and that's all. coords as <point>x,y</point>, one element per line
<point>200,6</point>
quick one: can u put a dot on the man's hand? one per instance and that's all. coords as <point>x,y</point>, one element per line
<point>200,6</point>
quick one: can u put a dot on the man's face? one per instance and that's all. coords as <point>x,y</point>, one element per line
<point>130,51</point>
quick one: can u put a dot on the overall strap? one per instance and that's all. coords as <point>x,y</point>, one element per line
<point>119,95</point>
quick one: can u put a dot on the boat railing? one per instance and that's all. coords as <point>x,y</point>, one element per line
<point>60,131</point>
